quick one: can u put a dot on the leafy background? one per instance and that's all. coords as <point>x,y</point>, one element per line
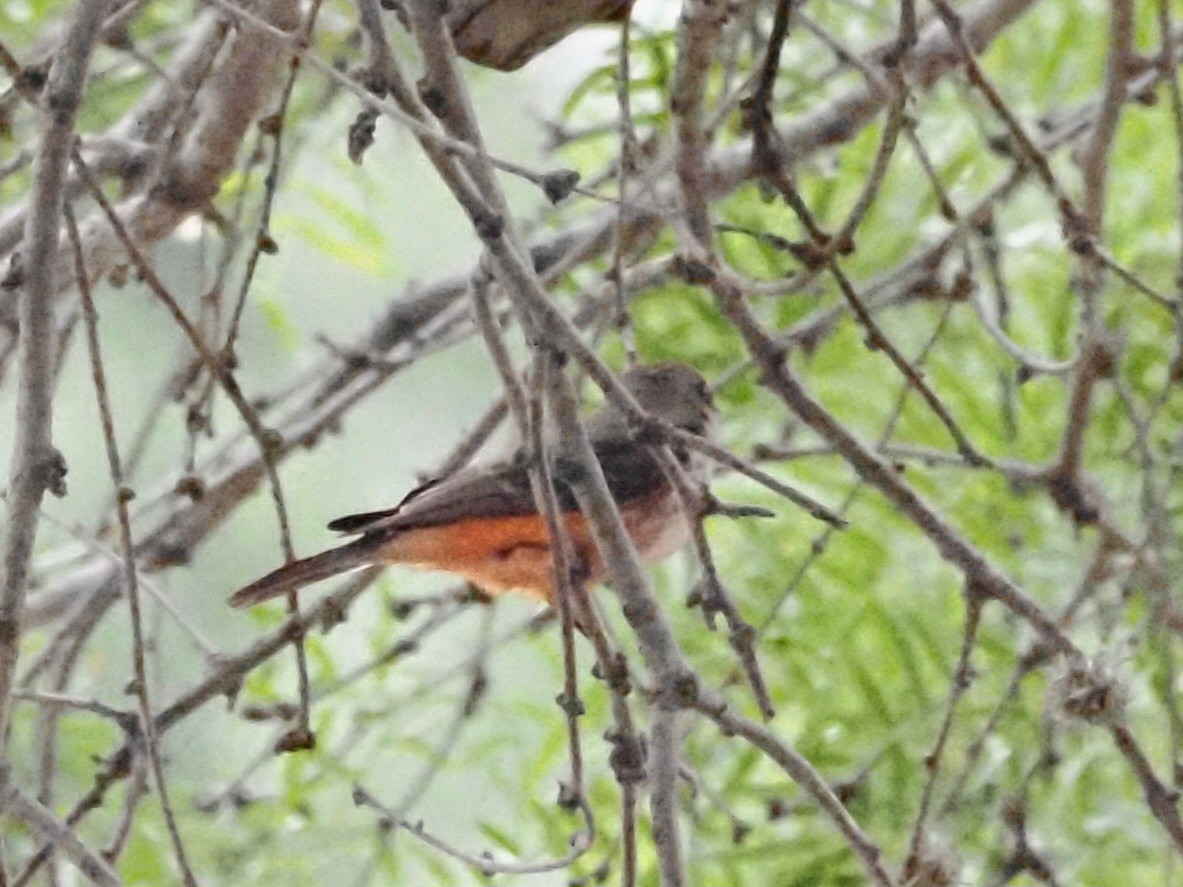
<point>859,635</point>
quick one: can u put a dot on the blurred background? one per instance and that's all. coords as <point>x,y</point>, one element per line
<point>444,707</point>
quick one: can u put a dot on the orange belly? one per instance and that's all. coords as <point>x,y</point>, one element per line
<point>513,553</point>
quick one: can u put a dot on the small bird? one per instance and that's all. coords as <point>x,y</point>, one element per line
<point>481,522</point>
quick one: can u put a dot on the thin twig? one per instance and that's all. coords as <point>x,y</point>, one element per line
<point>130,573</point>
<point>801,772</point>
<point>18,803</point>
<point>36,466</point>
<point>268,441</point>
<point>485,863</point>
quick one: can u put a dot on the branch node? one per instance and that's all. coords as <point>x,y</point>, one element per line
<point>488,225</point>
<point>297,739</point>
<point>433,97</point>
<point>558,184</point>
<point>679,691</point>
<point>267,244</point>
<point>191,486</point>
<point>51,471</point>
<point>692,270</point>
<point>571,705</point>
<point>617,677</point>
<point>1090,691</point>
<point>569,798</point>
<point>628,758</point>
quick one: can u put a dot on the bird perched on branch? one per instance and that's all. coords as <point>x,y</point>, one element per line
<point>481,523</point>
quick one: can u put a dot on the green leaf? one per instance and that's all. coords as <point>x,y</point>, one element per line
<point>278,321</point>
<point>500,838</point>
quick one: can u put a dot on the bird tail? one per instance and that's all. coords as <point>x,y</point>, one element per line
<point>305,571</point>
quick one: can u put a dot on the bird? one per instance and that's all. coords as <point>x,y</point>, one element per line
<point>481,522</point>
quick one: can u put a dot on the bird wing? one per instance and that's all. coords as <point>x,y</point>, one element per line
<point>503,490</point>
<point>490,491</point>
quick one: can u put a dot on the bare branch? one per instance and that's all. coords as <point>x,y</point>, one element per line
<point>36,466</point>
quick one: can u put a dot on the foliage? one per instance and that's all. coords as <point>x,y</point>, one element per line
<point>1041,312</point>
